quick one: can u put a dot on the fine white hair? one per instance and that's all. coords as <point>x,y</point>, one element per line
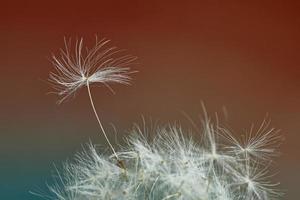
<point>170,166</point>
<point>78,66</point>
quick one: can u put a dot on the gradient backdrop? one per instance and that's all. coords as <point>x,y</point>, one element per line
<point>241,55</point>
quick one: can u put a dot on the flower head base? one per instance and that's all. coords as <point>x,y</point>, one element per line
<point>79,67</point>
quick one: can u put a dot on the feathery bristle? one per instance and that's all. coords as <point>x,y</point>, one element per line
<point>171,166</point>
<point>75,68</point>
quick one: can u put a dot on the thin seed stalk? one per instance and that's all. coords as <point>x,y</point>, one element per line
<point>98,119</point>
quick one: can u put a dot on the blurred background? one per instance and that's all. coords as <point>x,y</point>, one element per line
<point>239,58</point>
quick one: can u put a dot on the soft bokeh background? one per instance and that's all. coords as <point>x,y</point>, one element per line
<point>242,56</point>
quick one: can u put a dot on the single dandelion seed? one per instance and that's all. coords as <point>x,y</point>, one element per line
<point>255,180</point>
<point>76,68</point>
<point>261,144</point>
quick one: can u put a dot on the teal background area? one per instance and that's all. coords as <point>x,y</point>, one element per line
<point>238,55</point>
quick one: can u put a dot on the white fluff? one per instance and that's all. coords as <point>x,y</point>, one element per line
<point>171,166</point>
<point>76,67</point>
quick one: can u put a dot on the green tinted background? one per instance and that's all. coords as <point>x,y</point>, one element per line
<point>242,56</point>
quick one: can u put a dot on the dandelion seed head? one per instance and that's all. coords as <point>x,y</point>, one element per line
<point>170,166</point>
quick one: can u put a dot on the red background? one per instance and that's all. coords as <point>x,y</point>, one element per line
<point>241,55</point>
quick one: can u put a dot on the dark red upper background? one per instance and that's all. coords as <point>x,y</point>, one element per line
<point>241,55</point>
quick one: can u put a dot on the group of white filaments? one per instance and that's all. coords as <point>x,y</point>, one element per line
<point>170,166</point>
<point>75,69</point>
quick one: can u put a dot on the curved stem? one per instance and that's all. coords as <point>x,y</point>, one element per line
<point>98,119</point>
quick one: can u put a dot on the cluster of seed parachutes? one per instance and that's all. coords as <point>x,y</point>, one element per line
<point>174,166</point>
